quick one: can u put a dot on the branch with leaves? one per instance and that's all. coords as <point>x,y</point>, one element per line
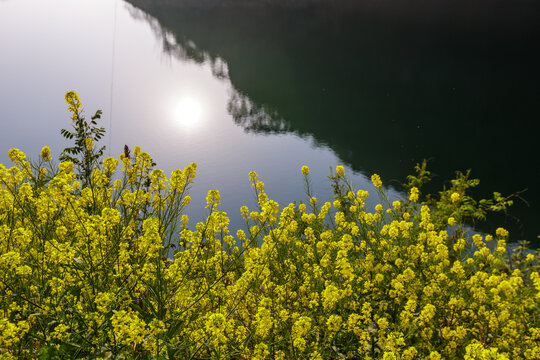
<point>83,154</point>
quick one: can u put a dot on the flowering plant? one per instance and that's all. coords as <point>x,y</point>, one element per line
<point>102,269</point>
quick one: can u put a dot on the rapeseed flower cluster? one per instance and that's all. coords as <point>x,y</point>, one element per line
<point>112,269</point>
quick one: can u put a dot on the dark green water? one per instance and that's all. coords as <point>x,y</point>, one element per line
<point>385,87</point>
<point>378,86</point>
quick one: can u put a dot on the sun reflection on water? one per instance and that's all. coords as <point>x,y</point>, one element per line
<point>187,112</point>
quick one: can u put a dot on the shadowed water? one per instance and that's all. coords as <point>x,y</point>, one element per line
<point>384,85</point>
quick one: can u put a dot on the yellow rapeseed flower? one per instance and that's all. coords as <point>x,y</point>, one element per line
<point>89,143</point>
<point>74,104</point>
<point>502,232</point>
<point>305,170</point>
<point>66,166</point>
<point>413,196</point>
<point>213,198</point>
<point>376,180</point>
<point>16,156</point>
<point>45,153</point>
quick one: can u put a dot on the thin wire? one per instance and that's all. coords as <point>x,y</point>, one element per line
<point>112,77</point>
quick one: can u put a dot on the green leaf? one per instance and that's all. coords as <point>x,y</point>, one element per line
<point>48,352</point>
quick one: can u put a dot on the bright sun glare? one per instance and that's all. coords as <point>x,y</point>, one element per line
<point>187,112</point>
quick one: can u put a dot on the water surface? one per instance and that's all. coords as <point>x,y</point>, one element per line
<point>236,89</point>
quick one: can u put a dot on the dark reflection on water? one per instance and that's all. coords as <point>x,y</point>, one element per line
<point>385,85</point>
